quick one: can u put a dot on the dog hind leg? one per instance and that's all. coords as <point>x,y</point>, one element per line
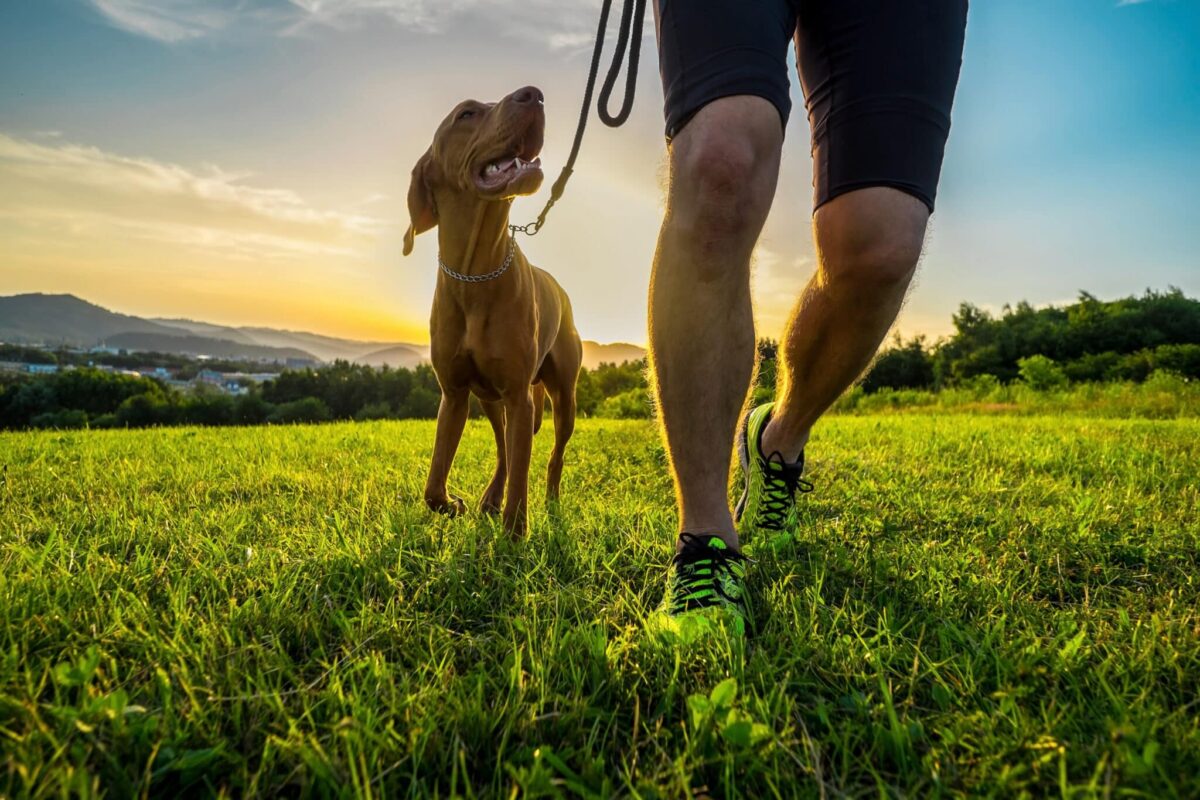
<point>518,440</point>
<point>539,405</point>
<point>564,426</point>
<point>493,496</point>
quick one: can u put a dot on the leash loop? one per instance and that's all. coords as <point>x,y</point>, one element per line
<point>629,41</point>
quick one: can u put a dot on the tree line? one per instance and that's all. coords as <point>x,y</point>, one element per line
<point>1089,341</point>
<point>90,397</point>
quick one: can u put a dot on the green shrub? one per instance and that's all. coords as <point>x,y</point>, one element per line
<point>308,409</point>
<point>374,411</point>
<point>251,409</point>
<point>1041,373</point>
<point>143,411</point>
<point>631,404</point>
<point>61,420</point>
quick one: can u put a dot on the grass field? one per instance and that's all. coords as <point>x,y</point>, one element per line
<point>974,605</point>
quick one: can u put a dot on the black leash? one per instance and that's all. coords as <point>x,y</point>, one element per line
<point>633,13</point>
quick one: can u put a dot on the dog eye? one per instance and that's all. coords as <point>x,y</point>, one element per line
<point>467,114</point>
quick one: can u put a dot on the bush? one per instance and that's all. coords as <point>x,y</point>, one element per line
<point>374,411</point>
<point>61,420</point>
<point>309,409</point>
<point>902,366</point>
<point>142,411</point>
<point>632,404</point>
<point>251,409</point>
<point>1041,373</point>
<point>421,403</point>
<point>208,409</point>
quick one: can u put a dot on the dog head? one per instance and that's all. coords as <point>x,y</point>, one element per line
<point>481,151</point>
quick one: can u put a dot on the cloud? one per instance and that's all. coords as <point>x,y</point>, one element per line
<point>67,189</point>
<point>169,20</point>
<point>426,15</point>
<point>557,24</point>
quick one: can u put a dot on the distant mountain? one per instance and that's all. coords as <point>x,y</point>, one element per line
<point>185,344</point>
<point>66,320</point>
<point>63,319</point>
<point>595,354</point>
<point>206,329</point>
<point>326,348</point>
<point>400,355</point>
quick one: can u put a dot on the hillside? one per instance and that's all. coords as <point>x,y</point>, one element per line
<point>400,355</point>
<point>66,320</point>
<point>595,354</point>
<point>184,344</point>
<point>63,319</point>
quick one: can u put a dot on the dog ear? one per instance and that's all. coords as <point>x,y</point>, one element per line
<point>421,208</point>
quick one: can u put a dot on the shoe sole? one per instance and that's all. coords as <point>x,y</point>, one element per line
<point>744,458</point>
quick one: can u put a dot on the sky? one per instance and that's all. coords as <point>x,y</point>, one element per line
<point>247,161</point>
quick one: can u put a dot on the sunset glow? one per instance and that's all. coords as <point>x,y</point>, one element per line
<point>247,163</point>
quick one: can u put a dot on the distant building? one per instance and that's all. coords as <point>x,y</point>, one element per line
<point>41,369</point>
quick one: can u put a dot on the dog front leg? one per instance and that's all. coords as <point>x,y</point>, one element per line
<point>518,434</point>
<point>452,416</point>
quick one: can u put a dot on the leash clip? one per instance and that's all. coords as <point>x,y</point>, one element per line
<point>529,229</point>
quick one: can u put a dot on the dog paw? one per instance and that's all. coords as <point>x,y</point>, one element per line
<point>451,506</point>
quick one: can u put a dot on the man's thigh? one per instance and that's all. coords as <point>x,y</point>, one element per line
<point>879,78</point>
<point>713,49</point>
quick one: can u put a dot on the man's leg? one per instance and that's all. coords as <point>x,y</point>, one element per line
<point>723,170</point>
<point>868,243</point>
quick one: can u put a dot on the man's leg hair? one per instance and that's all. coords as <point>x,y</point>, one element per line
<point>868,244</point>
<point>724,166</point>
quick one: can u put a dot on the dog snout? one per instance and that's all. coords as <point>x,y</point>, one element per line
<point>528,96</point>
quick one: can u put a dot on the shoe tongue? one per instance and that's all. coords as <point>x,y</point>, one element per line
<point>777,462</point>
<point>710,541</point>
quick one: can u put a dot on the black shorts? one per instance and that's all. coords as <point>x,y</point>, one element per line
<point>878,78</point>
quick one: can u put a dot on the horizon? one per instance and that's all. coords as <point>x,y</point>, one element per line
<point>246,163</point>
<point>932,341</point>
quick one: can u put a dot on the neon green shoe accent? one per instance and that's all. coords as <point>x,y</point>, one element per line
<point>705,589</point>
<point>768,502</point>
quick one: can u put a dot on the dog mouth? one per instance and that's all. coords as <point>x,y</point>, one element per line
<point>500,172</point>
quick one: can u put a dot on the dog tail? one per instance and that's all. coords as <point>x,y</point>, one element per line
<point>539,405</point>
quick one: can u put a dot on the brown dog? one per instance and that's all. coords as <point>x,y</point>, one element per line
<point>501,328</point>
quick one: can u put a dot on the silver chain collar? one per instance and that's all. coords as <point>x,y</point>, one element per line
<point>487,276</point>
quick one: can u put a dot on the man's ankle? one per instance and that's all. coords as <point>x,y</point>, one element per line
<point>729,537</point>
<point>777,439</point>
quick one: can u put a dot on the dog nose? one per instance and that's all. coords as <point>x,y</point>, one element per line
<point>528,96</point>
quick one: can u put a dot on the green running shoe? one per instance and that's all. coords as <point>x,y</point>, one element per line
<point>768,502</point>
<point>705,589</point>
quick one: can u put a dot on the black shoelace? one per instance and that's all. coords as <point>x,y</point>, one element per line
<point>779,494</point>
<point>697,571</point>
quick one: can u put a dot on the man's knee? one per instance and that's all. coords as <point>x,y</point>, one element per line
<point>724,166</point>
<point>871,238</point>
